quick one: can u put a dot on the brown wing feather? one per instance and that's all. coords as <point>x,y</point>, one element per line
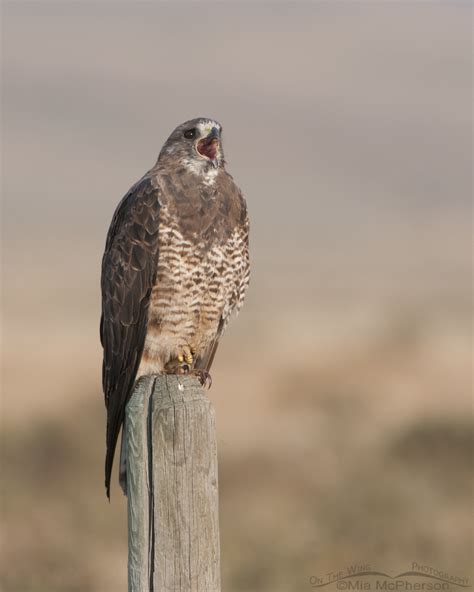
<point>128,275</point>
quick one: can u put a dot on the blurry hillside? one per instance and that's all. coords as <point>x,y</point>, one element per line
<point>343,391</point>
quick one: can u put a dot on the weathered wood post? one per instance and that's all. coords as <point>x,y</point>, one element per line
<point>173,528</point>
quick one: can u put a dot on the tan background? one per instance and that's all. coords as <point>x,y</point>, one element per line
<point>343,390</point>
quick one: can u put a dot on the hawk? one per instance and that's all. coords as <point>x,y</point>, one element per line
<point>175,268</point>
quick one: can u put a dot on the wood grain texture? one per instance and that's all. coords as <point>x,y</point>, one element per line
<point>138,486</point>
<point>176,492</point>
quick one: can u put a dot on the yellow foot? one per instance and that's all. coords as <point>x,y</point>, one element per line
<point>186,356</point>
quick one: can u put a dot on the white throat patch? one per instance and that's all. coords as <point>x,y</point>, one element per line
<point>201,168</point>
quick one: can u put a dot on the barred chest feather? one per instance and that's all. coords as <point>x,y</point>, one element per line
<point>202,273</point>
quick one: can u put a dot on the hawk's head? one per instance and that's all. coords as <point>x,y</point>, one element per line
<point>197,145</point>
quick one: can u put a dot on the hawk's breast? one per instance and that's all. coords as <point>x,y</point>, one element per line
<point>201,278</point>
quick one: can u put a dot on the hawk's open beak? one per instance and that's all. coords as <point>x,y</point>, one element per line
<point>209,146</point>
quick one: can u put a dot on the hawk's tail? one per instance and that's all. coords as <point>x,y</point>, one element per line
<point>114,423</point>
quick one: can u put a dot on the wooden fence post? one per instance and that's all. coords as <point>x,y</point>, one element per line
<point>173,526</point>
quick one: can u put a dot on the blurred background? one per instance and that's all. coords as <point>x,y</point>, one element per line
<point>343,391</point>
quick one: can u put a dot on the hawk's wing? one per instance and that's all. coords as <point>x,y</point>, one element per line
<point>128,275</point>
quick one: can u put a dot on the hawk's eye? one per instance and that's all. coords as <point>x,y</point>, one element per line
<point>190,133</point>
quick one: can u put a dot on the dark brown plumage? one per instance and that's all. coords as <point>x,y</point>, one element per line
<point>175,267</point>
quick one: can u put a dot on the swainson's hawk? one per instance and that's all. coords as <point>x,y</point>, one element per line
<point>175,267</point>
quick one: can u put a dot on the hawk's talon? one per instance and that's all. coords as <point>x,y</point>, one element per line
<point>204,377</point>
<point>186,355</point>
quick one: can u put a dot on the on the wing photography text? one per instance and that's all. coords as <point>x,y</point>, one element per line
<point>365,577</point>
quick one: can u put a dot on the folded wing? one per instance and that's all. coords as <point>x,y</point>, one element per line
<point>128,276</point>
